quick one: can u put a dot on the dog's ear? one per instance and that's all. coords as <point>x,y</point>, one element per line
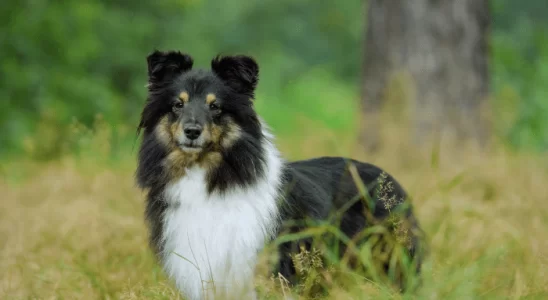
<point>166,65</point>
<point>239,72</point>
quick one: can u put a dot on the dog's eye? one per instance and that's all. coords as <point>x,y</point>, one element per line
<point>178,105</point>
<point>213,106</point>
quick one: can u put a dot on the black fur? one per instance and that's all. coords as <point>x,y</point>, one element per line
<point>162,64</point>
<point>239,72</point>
<point>312,189</point>
<point>319,187</point>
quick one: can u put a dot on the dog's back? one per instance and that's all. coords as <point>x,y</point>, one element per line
<point>351,196</point>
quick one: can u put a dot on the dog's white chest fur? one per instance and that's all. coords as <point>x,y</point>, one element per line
<point>211,241</point>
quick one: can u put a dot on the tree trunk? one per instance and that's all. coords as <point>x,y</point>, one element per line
<point>442,45</point>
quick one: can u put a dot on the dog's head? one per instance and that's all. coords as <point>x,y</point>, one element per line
<point>195,112</point>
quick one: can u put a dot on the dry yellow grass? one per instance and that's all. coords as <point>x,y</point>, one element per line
<point>74,228</point>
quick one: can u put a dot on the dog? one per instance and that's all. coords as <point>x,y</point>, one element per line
<point>218,190</point>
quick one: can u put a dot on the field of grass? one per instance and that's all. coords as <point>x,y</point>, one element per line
<point>73,228</point>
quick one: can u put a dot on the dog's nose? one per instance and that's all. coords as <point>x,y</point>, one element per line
<point>192,132</point>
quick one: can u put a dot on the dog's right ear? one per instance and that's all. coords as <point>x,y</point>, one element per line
<point>166,65</point>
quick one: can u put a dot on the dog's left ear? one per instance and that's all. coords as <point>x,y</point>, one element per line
<point>166,65</point>
<point>239,72</point>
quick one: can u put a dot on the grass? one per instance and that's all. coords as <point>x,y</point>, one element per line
<point>73,228</point>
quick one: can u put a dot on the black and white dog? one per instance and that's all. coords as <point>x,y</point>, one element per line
<point>217,188</point>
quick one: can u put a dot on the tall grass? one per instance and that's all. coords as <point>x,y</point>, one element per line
<point>73,228</point>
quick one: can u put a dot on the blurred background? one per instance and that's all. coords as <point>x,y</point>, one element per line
<point>375,80</point>
<point>74,61</point>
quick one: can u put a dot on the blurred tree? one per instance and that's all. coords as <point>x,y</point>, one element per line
<point>442,46</point>
<point>75,59</point>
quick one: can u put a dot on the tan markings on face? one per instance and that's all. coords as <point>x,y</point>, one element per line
<point>224,136</point>
<point>183,96</point>
<point>162,132</point>
<point>231,135</point>
<point>176,129</point>
<point>210,98</point>
<point>177,161</point>
<point>215,131</point>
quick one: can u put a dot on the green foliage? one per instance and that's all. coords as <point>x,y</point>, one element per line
<point>520,72</point>
<point>78,59</point>
<point>75,59</point>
